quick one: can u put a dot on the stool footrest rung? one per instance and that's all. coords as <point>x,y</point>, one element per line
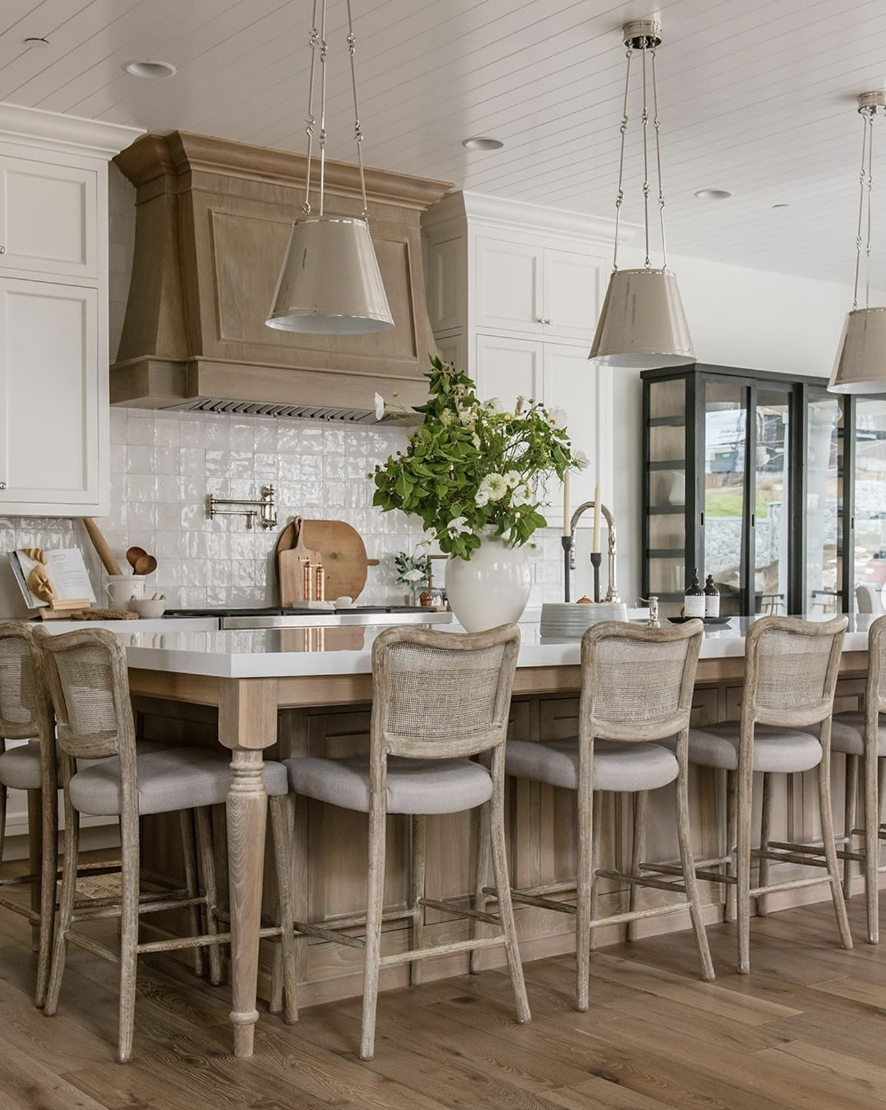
<point>781,855</point>
<point>455,911</point>
<point>535,900</point>
<point>328,934</point>
<point>644,880</point>
<point>440,950</point>
<point>789,884</point>
<point>20,908</point>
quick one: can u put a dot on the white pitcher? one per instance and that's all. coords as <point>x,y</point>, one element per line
<point>123,588</point>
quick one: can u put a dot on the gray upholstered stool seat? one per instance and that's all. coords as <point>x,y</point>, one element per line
<point>20,767</point>
<point>421,786</point>
<point>779,750</point>
<point>618,766</point>
<point>847,734</point>
<point>172,778</point>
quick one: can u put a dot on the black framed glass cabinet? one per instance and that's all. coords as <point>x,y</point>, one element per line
<point>765,482</point>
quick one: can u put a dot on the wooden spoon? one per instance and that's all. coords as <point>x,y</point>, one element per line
<point>133,555</point>
<point>145,564</point>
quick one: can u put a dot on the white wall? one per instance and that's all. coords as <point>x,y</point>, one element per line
<point>737,317</point>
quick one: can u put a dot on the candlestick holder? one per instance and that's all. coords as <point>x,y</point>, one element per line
<point>596,563</point>
<point>568,543</point>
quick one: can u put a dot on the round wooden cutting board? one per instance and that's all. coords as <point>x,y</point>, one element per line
<point>335,544</point>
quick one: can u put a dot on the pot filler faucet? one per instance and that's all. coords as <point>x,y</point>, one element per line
<point>569,551</point>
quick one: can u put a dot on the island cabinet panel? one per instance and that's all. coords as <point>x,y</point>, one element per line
<point>330,861</point>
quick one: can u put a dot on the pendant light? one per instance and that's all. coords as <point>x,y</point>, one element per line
<point>330,282</point>
<point>642,323</point>
<point>861,357</point>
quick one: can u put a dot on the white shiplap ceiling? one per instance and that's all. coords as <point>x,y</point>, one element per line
<point>756,96</point>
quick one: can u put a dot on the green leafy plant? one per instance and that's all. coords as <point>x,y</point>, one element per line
<point>473,466</point>
<point>413,571</point>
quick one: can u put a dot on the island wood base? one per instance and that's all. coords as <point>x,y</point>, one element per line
<point>329,715</point>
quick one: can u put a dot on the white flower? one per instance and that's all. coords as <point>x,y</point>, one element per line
<point>475,439</point>
<point>446,418</point>
<point>580,461</point>
<point>379,406</point>
<point>494,404</point>
<point>468,417</point>
<point>413,576</point>
<point>557,418</point>
<point>513,479</point>
<point>458,525</point>
<point>495,485</point>
<point>430,535</point>
<point>481,497</point>
<point>521,495</point>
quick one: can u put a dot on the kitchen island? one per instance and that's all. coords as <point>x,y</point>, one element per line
<point>306,691</point>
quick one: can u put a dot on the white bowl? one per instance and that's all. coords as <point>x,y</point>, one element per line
<point>146,608</point>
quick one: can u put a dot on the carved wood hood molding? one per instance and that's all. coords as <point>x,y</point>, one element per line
<point>212,223</point>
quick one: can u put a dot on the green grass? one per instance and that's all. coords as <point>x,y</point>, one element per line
<point>728,504</point>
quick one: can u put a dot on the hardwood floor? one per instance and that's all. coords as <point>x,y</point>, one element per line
<point>803,1030</point>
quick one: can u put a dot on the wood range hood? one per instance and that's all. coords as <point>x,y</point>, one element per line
<point>212,224</point>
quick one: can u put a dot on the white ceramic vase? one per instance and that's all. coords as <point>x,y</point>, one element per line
<point>490,588</point>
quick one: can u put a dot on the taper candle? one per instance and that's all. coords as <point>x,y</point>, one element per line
<point>596,544</point>
<point>567,521</point>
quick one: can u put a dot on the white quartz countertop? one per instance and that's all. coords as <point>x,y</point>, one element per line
<point>279,653</point>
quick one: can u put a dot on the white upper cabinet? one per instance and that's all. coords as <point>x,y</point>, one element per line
<point>53,402</point>
<point>571,294</point>
<point>54,448</point>
<point>48,218</point>
<point>509,287</point>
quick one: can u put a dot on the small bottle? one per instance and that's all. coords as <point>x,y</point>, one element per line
<point>319,582</point>
<point>307,580</point>
<point>694,600</point>
<point>711,598</point>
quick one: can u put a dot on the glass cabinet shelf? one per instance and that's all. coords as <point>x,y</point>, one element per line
<point>765,482</point>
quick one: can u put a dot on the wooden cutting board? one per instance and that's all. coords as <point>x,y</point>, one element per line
<point>335,544</point>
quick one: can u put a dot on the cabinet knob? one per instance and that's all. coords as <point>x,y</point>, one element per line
<point>2,485</point>
<point>539,320</point>
<point>2,250</point>
<point>548,321</point>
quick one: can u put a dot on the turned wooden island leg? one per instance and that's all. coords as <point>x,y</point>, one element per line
<point>247,724</point>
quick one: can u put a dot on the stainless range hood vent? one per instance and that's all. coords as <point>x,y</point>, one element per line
<point>294,412</point>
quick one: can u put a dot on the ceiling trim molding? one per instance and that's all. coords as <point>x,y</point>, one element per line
<point>517,215</point>
<point>87,136</point>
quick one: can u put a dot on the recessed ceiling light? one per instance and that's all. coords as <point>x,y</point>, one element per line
<point>478,142</point>
<point>781,206</point>
<point>37,42</point>
<point>713,194</point>
<point>151,71</point>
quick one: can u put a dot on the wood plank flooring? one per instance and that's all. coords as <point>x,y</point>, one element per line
<point>805,1029</point>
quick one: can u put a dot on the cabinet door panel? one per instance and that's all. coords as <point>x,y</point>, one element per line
<point>583,389</point>
<point>48,218</point>
<point>509,286</point>
<point>50,395</point>
<point>571,294</point>
<point>508,368</point>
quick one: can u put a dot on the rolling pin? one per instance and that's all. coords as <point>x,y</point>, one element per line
<point>101,546</point>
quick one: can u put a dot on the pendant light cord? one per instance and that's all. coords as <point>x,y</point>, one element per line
<point>358,130</point>
<point>623,128</point>
<point>323,53</point>
<point>310,119</point>
<point>865,184</point>
<point>645,123</point>
<point>656,123</point>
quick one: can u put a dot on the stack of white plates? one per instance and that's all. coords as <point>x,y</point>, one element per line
<point>568,621</point>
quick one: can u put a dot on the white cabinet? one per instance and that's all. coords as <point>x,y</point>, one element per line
<point>48,217</point>
<point>53,404</point>
<point>572,294</point>
<point>508,369</point>
<point>54,311</point>
<point>509,291</point>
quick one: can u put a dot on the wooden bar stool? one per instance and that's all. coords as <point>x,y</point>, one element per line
<point>636,687</point>
<point>104,773</point>
<point>861,736</point>
<point>790,676</point>
<point>438,699</point>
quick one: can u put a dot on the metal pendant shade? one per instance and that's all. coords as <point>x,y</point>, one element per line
<point>642,323</point>
<point>860,366</point>
<point>330,281</point>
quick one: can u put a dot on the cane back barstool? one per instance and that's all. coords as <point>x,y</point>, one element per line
<point>790,676</point>
<point>636,688</point>
<point>105,773</point>
<point>860,735</point>
<point>439,698</point>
